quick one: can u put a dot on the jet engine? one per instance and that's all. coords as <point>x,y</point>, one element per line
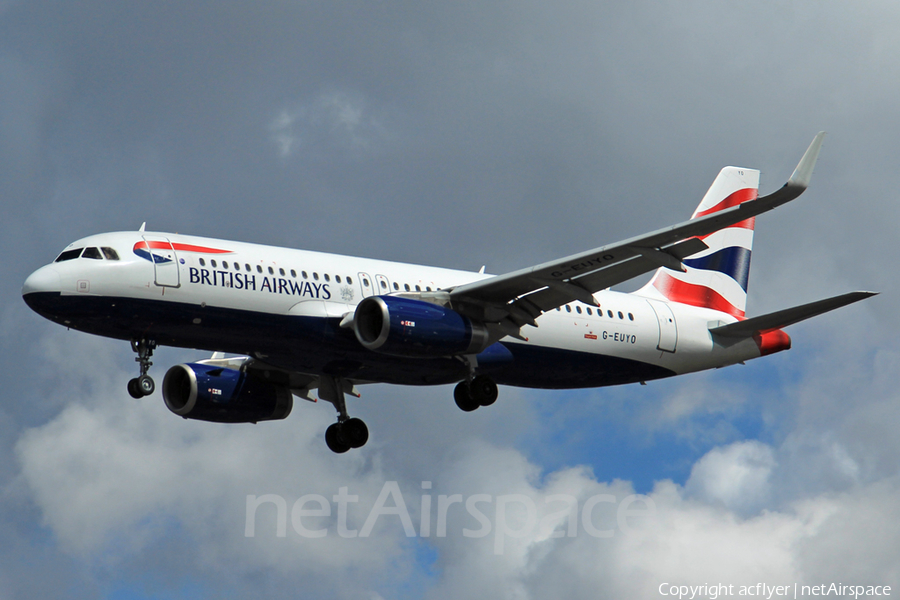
<point>407,327</point>
<point>222,395</point>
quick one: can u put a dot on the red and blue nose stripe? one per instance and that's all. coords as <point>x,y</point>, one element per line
<point>144,249</point>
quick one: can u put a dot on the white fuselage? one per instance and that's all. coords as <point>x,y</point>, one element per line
<point>208,278</point>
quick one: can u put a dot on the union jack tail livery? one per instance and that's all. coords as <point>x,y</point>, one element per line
<point>717,277</point>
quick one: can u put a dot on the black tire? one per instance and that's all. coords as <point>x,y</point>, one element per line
<point>333,439</point>
<point>145,385</point>
<point>463,396</point>
<point>354,433</point>
<point>134,389</point>
<point>483,390</point>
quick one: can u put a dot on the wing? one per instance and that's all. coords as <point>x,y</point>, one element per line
<point>788,316</point>
<point>518,298</point>
<point>300,384</point>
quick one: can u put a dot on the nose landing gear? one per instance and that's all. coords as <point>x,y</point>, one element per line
<point>142,385</point>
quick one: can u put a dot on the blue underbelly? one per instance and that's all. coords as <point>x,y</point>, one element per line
<point>319,345</point>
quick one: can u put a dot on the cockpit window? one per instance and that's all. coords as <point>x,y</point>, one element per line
<point>69,255</point>
<point>95,253</point>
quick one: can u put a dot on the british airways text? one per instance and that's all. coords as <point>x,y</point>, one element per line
<point>273,285</point>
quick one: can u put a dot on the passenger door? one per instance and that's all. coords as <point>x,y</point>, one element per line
<point>165,261</point>
<point>668,331</point>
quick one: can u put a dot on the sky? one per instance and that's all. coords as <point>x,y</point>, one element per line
<point>458,134</point>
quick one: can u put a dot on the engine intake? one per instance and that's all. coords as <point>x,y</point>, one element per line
<point>209,393</point>
<point>406,327</point>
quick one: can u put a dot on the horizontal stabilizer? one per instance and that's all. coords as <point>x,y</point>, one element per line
<point>788,316</point>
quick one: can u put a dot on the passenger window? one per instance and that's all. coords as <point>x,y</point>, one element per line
<point>305,276</point>
<point>271,271</point>
<point>406,286</point>
<point>246,266</point>
<point>69,255</point>
<point>213,263</point>
<point>281,272</point>
<point>315,276</point>
<point>630,317</point>
<point>621,316</point>
<point>109,253</point>
<point>396,286</point>
<point>588,309</point>
<point>259,268</point>
<point>427,288</point>
<point>202,263</point>
<point>92,253</point>
<point>568,308</point>
<point>337,278</point>
<point>609,314</point>
<point>327,277</point>
<point>383,285</point>
<point>578,309</point>
<point>418,288</point>
<point>349,281</point>
<point>224,264</point>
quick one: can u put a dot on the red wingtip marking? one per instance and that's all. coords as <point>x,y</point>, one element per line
<point>770,342</point>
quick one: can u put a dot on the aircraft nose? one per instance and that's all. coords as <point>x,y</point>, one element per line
<point>45,279</point>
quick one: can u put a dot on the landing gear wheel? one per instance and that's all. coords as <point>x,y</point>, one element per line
<point>463,396</point>
<point>347,432</point>
<point>483,390</point>
<point>354,433</point>
<point>334,440</point>
<point>145,385</point>
<point>134,389</point>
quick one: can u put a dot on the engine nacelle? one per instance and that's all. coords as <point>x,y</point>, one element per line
<point>406,327</point>
<point>210,393</point>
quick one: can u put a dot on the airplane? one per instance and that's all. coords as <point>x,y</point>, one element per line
<point>298,321</point>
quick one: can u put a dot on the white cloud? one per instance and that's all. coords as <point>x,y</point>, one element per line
<point>332,120</point>
<point>736,475</point>
<point>687,540</point>
<point>115,479</point>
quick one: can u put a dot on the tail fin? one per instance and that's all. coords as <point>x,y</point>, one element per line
<point>716,278</point>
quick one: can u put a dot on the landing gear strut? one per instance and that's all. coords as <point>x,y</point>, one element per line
<point>143,385</point>
<point>348,432</point>
<point>480,391</point>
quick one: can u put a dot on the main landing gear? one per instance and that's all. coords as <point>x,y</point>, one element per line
<point>479,391</point>
<point>348,432</point>
<point>143,385</point>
